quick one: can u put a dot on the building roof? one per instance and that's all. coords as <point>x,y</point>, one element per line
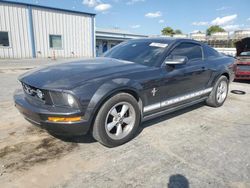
<point>112,30</point>
<point>243,30</point>
<point>46,7</point>
<point>117,31</point>
<point>116,34</point>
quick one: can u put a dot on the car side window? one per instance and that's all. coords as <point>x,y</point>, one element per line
<point>190,50</point>
<point>210,52</point>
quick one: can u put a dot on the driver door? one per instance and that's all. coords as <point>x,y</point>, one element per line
<point>187,78</point>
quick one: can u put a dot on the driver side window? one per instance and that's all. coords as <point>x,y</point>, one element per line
<point>189,50</point>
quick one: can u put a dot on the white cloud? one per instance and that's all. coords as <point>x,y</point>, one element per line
<point>97,4</point>
<point>200,23</point>
<point>222,8</point>
<point>103,7</point>
<point>131,2</point>
<point>248,19</point>
<point>224,20</point>
<point>161,21</point>
<point>227,22</point>
<point>154,14</point>
<point>90,3</point>
<point>135,26</point>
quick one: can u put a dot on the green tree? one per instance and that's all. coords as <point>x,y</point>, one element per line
<point>167,31</point>
<point>214,29</point>
<point>178,31</point>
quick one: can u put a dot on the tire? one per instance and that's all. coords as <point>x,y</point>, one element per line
<point>117,120</point>
<point>219,93</point>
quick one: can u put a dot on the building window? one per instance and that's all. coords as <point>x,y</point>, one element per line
<point>4,39</point>
<point>55,41</point>
<point>104,46</point>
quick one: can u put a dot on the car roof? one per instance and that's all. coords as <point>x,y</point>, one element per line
<point>168,40</point>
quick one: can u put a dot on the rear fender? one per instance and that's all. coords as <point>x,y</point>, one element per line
<point>218,75</point>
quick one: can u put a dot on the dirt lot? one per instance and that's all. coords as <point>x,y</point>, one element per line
<point>195,147</point>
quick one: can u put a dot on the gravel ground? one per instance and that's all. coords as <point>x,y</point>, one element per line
<point>195,147</point>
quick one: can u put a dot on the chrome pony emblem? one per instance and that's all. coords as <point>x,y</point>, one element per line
<point>33,92</point>
<point>28,89</point>
<point>154,90</point>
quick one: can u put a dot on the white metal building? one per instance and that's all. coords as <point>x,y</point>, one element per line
<point>180,36</point>
<point>219,36</point>
<point>28,31</point>
<point>198,36</point>
<point>240,34</point>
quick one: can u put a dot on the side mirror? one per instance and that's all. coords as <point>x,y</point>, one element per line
<point>176,60</point>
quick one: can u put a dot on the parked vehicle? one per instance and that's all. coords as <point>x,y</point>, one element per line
<point>243,59</point>
<point>135,81</point>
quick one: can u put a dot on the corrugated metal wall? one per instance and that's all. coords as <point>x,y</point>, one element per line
<point>77,31</point>
<point>14,19</point>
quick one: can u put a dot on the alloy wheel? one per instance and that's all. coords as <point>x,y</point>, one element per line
<point>221,92</point>
<point>120,120</point>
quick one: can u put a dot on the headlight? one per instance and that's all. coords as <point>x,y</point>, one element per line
<point>71,100</point>
<point>63,99</point>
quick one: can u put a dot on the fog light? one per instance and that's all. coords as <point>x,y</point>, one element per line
<point>64,119</point>
<point>39,93</point>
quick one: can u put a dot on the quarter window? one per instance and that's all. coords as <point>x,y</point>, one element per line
<point>189,50</point>
<point>210,52</point>
<point>55,41</point>
<point>4,39</point>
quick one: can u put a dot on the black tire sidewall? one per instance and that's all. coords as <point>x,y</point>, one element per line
<point>102,114</point>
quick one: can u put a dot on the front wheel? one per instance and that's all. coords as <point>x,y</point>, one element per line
<point>117,120</point>
<point>219,93</point>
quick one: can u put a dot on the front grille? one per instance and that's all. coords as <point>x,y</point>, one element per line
<point>244,60</point>
<point>34,93</point>
<point>243,67</point>
<point>243,76</point>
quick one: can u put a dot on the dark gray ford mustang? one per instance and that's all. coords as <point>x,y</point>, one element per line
<point>134,81</point>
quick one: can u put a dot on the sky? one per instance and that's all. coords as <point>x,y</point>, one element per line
<point>149,17</point>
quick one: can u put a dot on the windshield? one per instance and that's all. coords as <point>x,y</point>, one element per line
<point>245,53</point>
<point>142,52</point>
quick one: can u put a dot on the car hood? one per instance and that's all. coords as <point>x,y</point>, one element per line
<point>73,74</point>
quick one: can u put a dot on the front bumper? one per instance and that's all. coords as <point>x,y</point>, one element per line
<point>243,71</point>
<point>38,115</point>
<point>242,75</point>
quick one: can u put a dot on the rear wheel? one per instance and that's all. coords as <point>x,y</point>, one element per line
<point>117,120</point>
<point>219,93</point>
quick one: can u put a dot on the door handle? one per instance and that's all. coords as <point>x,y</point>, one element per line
<point>204,68</point>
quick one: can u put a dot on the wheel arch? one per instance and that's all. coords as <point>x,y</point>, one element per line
<point>216,78</point>
<point>226,74</point>
<point>100,97</point>
<point>127,90</point>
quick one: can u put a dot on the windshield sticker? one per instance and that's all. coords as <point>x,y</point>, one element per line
<point>159,45</point>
